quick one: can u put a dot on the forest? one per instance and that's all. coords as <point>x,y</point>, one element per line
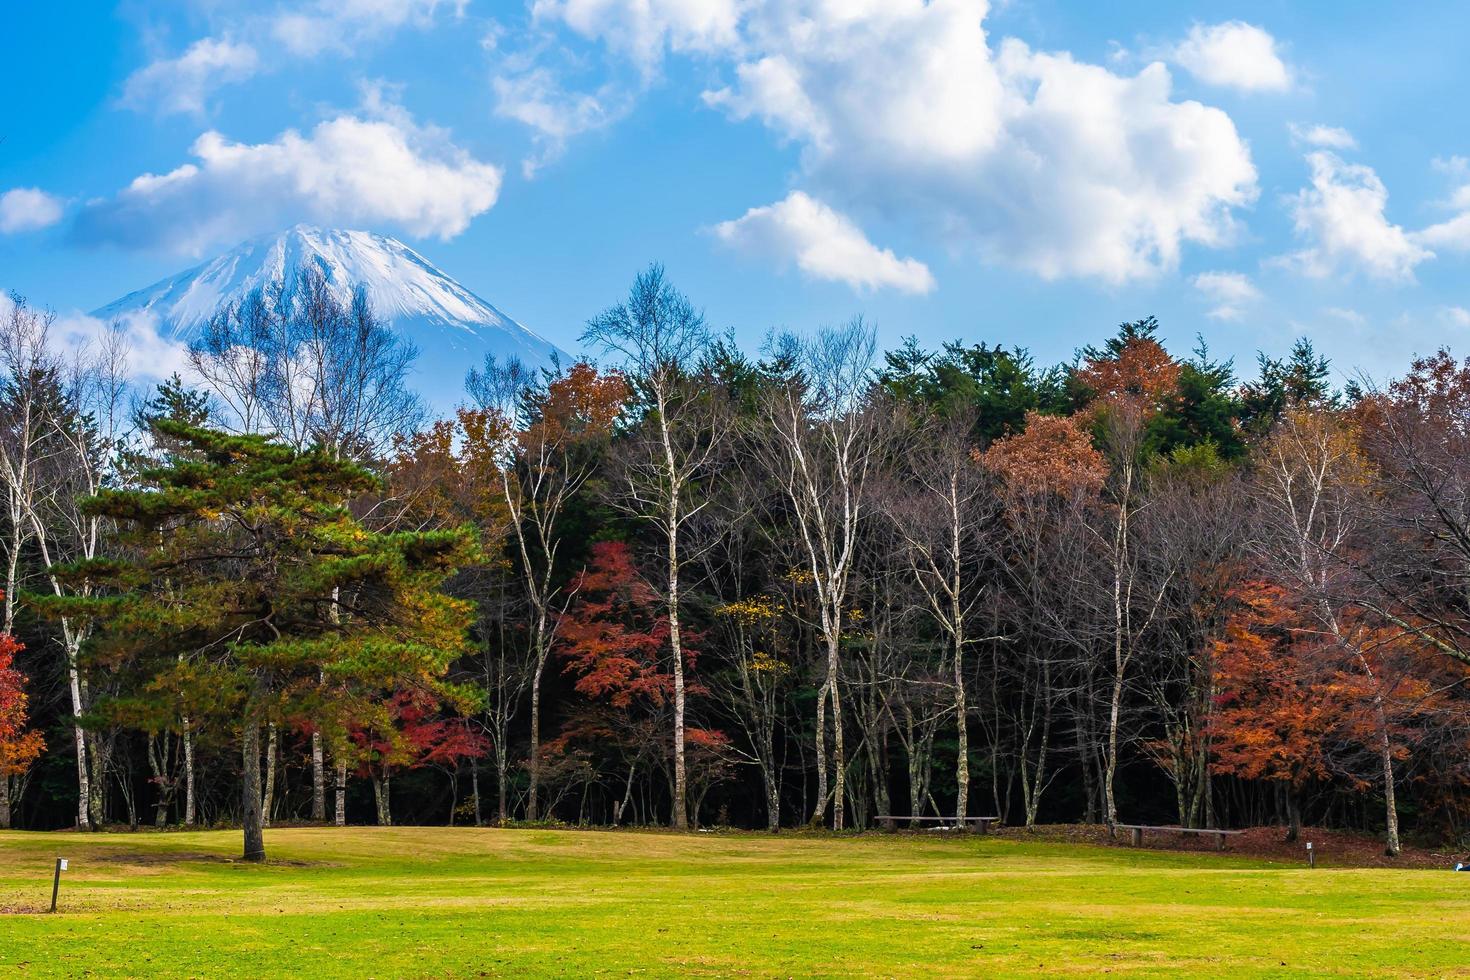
<point>678,583</point>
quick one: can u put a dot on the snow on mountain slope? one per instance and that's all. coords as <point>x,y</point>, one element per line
<point>451,326</point>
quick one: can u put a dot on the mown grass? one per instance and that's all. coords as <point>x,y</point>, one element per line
<point>454,902</point>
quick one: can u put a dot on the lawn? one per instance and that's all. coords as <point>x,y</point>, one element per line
<point>456,902</point>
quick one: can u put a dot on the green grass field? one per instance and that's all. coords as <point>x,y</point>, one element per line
<point>434,902</point>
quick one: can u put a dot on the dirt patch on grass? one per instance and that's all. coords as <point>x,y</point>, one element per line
<point>1334,848</point>
<point>146,859</point>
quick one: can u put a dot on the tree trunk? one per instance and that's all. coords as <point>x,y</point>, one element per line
<point>158,769</point>
<point>318,779</point>
<point>681,807</point>
<point>1110,801</point>
<point>962,730</point>
<point>1390,804</point>
<point>475,789</point>
<point>97,783</point>
<point>79,734</point>
<point>773,801</point>
<point>250,811</point>
<point>819,809</point>
<point>1082,729</point>
<point>4,801</point>
<point>839,759</point>
<point>381,792</point>
<point>268,786</point>
<point>1293,815</point>
<point>339,816</point>
<point>501,767</point>
<point>189,810</point>
<point>534,767</point>
<point>869,715</point>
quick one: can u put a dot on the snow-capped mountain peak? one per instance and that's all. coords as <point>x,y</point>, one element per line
<point>451,326</point>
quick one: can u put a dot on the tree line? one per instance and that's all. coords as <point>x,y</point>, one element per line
<point>678,583</point>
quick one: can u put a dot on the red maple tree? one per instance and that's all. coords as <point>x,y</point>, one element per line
<point>615,642</point>
<point>18,747</point>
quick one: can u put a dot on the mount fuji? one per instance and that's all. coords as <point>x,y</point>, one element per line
<point>451,327</point>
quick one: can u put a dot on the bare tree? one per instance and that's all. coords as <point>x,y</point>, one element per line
<point>680,432</point>
<point>31,374</point>
<point>942,525</point>
<point>828,437</point>
<point>1195,522</point>
<point>65,429</point>
<point>299,362</point>
<point>550,444</point>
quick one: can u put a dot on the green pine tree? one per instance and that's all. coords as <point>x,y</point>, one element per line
<point>255,597</point>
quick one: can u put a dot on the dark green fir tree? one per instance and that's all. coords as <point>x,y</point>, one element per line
<point>251,594</point>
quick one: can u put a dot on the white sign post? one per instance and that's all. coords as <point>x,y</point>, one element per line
<point>56,881</point>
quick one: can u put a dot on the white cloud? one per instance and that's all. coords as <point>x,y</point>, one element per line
<point>823,244</point>
<point>641,29</point>
<point>1348,316</point>
<point>1452,234</point>
<point>1233,55</point>
<point>536,98</point>
<point>339,24</point>
<point>183,84</point>
<point>146,354</point>
<point>1457,316</point>
<point>902,108</point>
<point>347,171</point>
<point>1331,137</point>
<point>1341,216</point>
<point>28,209</point>
<point>1229,292</point>
<point>1031,159</point>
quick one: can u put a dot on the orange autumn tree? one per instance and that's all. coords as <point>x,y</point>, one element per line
<point>18,747</point>
<point>1052,455</point>
<point>1278,704</point>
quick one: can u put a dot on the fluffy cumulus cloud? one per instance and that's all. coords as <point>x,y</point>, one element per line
<point>823,244</point>
<point>351,170</point>
<point>1233,55</point>
<point>28,209</point>
<point>339,24</point>
<point>1031,159</point>
<point>1342,218</point>
<point>183,84</point>
<point>1229,293</point>
<point>144,354</point>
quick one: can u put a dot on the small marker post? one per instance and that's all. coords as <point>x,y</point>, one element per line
<point>1311,856</point>
<point>56,881</point>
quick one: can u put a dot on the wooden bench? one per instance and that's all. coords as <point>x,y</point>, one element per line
<point>980,825</point>
<point>1138,830</point>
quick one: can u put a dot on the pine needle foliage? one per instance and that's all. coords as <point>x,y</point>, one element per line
<point>251,595</point>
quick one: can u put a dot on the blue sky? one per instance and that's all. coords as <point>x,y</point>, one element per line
<point>1029,172</point>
